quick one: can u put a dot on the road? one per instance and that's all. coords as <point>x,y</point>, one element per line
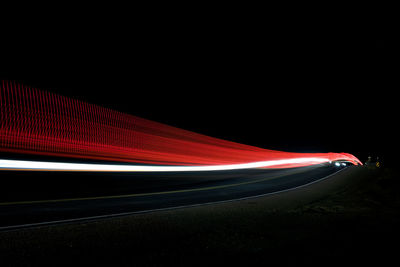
<point>39,198</point>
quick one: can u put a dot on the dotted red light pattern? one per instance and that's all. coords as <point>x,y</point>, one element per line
<point>38,122</point>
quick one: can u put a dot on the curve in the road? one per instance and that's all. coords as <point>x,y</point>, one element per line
<point>150,193</point>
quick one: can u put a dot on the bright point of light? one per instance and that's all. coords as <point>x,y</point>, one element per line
<point>64,166</point>
<point>343,164</point>
<point>337,164</point>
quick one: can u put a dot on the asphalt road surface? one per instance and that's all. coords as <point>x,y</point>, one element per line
<point>38,198</point>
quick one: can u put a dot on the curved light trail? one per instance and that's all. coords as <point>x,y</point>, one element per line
<point>37,122</point>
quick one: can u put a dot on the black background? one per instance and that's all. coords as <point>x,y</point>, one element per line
<point>302,84</point>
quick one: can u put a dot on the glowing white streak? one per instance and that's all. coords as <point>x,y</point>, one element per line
<point>91,167</point>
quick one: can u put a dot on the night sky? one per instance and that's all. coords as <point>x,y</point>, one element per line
<point>304,87</point>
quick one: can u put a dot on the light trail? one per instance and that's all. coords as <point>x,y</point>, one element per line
<point>41,123</point>
<point>24,165</point>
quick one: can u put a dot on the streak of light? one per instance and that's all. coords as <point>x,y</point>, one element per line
<point>6,164</point>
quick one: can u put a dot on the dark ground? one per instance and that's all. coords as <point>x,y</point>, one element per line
<point>352,218</point>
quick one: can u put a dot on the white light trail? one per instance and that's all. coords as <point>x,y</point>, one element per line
<point>22,165</point>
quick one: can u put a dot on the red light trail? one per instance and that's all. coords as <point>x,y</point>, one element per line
<point>37,122</point>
